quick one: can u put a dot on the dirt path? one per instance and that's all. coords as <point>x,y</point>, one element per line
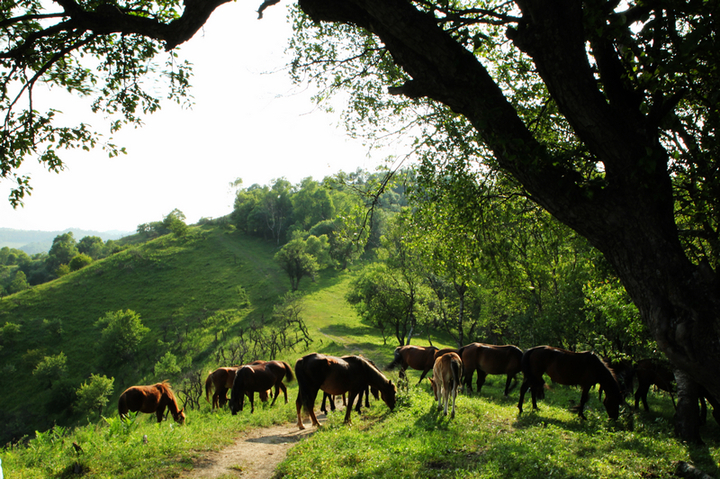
<point>256,455</point>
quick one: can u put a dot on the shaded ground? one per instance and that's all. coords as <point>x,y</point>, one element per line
<point>255,455</point>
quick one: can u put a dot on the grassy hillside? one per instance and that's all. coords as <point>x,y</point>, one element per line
<point>174,284</point>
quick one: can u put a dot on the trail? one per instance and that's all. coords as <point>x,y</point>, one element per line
<point>255,455</point>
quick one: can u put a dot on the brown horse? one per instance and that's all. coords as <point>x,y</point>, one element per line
<point>222,380</point>
<point>259,377</point>
<point>447,371</point>
<point>150,399</point>
<point>490,359</point>
<point>649,372</point>
<point>583,369</point>
<point>416,357</point>
<point>351,374</point>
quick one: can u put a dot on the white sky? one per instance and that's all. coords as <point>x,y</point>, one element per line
<point>245,123</point>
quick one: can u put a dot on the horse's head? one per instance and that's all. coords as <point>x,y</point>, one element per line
<point>612,405</point>
<point>388,394</point>
<point>179,416</point>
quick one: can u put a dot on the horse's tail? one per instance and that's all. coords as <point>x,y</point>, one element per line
<point>457,371</point>
<point>397,360</point>
<point>288,371</point>
<point>304,385</point>
<point>208,386</point>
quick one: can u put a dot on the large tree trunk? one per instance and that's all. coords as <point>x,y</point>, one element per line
<point>629,216</point>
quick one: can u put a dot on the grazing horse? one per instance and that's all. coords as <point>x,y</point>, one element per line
<point>490,359</point>
<point>583,369</point>
<point>222,380</point>
<point>150,399</point>
<point>649,372</point>
<point>259,377</point>
<point>333,375</point>
<point>447,372</point>
<point>624,373</point>
<point>416,357</point>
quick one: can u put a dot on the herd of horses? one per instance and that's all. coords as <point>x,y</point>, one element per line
<point>357,377</point>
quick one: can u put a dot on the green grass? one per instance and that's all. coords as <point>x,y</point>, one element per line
<point>488,439</point>
<point>174,284</point>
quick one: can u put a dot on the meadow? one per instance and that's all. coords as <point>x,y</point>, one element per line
<point>487,438</point>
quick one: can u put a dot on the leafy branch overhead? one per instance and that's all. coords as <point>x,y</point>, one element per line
<point>91,48</point>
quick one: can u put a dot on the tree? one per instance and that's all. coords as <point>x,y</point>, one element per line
<point>51,369</point>
<point>297,262</point>
<point>94,394</point>
<point>121,334</point>
<point>175,222</point>
<point>80,261</point>
<point>603,112</point>
<point>92,246</point>
<point>63,249</point>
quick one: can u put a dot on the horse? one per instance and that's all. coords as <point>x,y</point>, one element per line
<point>447,372</point>
<point>334,375</point>
<point>490,359</point>
<point>222,380</point>
<point>583,369</point>
<point>259,377</point>
<point>416,357</point>
<point>624,373</point>
<point>150,399</point>
<point>649,372</point>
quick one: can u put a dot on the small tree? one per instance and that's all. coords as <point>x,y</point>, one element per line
<point>175,222</point>
<point>121,335</point>
<point>168,366</point>
<point>297,262</point>
<point>80,261</point>
<point>94,394</point>
<point>51,369</point>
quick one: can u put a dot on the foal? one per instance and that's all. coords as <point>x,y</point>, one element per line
<point>447,371</point>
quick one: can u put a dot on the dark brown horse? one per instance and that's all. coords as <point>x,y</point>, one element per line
<point>150,399</point>
<point>624,373</point>
<point>490,359</point>
<point>583,369</point>
<point>222,380</point>
<point>349,374</point>
<point>259,377</point>
<point>416,357</point>
<point>649,372</point>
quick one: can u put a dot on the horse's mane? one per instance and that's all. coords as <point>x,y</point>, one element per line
<point>166,389</point>
<point>607,379</point>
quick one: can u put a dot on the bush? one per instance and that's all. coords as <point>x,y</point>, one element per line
<point>80,261</point>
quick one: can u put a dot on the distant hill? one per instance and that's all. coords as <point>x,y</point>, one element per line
<point>33,242</point>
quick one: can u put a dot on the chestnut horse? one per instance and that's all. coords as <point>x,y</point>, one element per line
<point>490,359</point>
<point>150,399</point>
<point>583,369</point>
<point>447,372</point>
<point>259,377</point>
<point>649,372</point>
<point>222,380</point>
<point>351,374</point>
<point>416,357</point>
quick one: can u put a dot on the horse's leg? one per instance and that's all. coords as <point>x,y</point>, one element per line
<point>323,409</point>
<point>454,395</point>
<point>467,377</point>
<point>422,376</point>
<point>367,396</point>
<point>481,379</point>
<point>284,390</point>
<point>523,390</point>
<point>358,405</point>
<point>641,395</point>
<point>298,406</point>
<point>348,409</point>
<point>159,412</point>
<point>583,399</point>
<point>252,401</point>
<point>276,396</point>
<point>507,384</point>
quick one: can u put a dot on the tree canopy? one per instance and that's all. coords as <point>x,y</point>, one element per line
<point>603,112</point>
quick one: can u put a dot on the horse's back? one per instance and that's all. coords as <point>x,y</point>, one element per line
<point>503,359</point>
